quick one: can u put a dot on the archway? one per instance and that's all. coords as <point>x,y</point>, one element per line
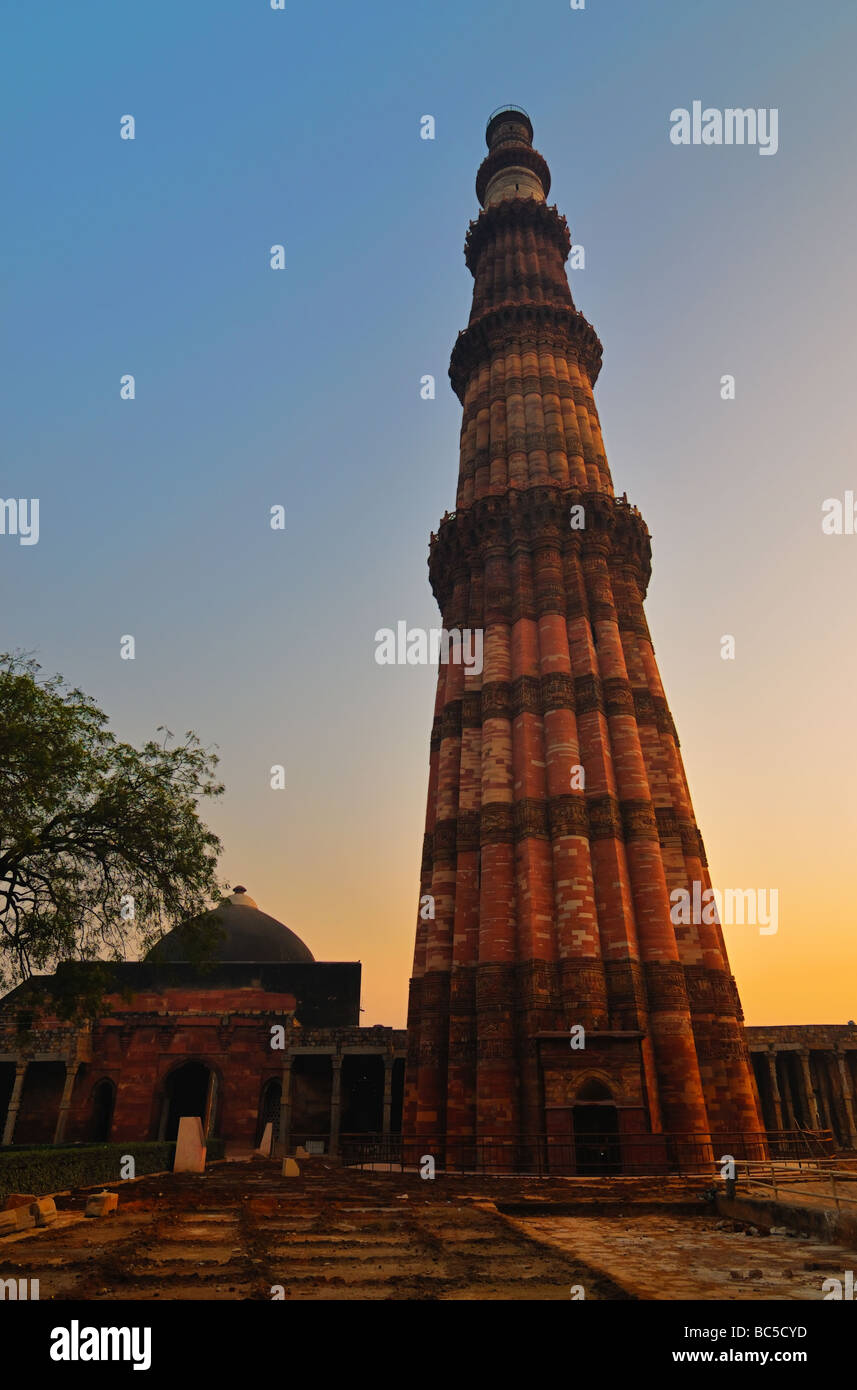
<point>312,1084</point>
<point>101,1116</point>
<point>362,1094</point>
<point>596,1130</point>
<point>186,1093</point>
<point>40,1103</point>
<point>398,1095</point>
<point>269,1109</point>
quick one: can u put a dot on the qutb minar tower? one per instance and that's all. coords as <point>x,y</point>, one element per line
<point>559,818</point>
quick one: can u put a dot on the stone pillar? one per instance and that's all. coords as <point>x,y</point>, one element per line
<point>790,1117</point>
<point>847,1098</point>
<point>775,1090</point>
<point>806,1074</point>
<point>335,1103</point>
<point>286,1107</point>
<point>65,1101</point>
<point>14,1102</point>
<point>825,1109</point>
<point>388,1091</point>
<point>165,1115</point>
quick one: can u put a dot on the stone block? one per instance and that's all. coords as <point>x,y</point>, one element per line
<point>101,1203</point>
<point>44,1211</point>
<point>301,1152</point>
<point>291,1169</point>
<point>190,1146</point>
<point>24,1218</point>
<point>267,1141</point>
<point>8,1221</point>
<point>19,1199</point>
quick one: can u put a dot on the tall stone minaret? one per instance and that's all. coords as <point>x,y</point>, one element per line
<point>550,886</point>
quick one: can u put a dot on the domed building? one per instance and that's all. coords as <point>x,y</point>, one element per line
<point>229,1017</point>
<point>239,932</point>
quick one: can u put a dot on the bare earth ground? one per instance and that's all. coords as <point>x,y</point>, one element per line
<point>241,1229</point>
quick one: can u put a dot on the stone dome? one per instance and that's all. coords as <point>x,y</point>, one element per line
<point>238,931</point>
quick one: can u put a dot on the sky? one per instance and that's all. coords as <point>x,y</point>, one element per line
<point>255,388</point>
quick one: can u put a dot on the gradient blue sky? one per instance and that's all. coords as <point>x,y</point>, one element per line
<point>301,127</point>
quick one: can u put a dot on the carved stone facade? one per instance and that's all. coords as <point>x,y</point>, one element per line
<point>239,1041</point>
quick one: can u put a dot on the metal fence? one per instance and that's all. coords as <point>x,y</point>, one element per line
<point>584,1155</point>
<point>819,1180</point>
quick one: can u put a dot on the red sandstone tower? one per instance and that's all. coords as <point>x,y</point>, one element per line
<point>551,898</point>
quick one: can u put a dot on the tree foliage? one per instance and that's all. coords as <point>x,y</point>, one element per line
<point>101,844</point>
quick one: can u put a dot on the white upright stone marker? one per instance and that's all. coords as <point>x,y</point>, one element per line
<point>190,1147</point>
<point>267,1141</point>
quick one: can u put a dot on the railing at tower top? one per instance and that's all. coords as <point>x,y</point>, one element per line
<point>585,1154</point>
<point>510,106</point>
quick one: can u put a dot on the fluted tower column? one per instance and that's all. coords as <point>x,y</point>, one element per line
<point>551,885</point>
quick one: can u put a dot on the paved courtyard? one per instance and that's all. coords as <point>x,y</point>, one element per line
<point>241,1231</point>
<point>657,1256</point>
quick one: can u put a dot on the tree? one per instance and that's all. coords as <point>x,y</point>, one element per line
<point>101,844</point>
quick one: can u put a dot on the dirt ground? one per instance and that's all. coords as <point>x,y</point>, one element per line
<point>242,1231</point>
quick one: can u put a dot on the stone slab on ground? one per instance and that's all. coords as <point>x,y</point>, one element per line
<point>32,1232</point>
<point>102,1203</point>
<point>44,1211</point>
